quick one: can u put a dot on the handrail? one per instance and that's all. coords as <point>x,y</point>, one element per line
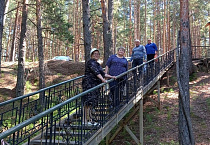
<point>49,117</point>
<point>37,92</point>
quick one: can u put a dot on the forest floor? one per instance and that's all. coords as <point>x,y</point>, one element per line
<point>160,126</point>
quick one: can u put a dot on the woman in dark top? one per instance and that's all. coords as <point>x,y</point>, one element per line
<point>116,65</point>
<point>94,75</point>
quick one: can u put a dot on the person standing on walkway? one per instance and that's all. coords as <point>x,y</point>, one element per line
<point>138,56</point>
<point>151,49</point>
<point>94,75</point>
<point>116,65</point>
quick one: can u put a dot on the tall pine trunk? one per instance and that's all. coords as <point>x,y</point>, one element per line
<point>12,52</point>
<point>21,57</point>
<point>185,125</point>
<point>86,28</point>
<point>105,32</point>
<point>40,45</point>
<point>2,6</point>
<point>110,18</point>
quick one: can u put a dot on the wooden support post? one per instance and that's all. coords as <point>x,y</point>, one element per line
<point>158,87</point>
<point>167,75</point>
<point>122,123</point>
<point>141,120</point>
<point>107,139</point>
<point>131,134</point>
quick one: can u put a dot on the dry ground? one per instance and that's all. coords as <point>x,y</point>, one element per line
<point>160,126</point>
<point>56,71</point>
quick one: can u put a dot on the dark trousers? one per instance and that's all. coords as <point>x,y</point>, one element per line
<point>115,90</point>
<point>150,57</point>
<point>135,63</point>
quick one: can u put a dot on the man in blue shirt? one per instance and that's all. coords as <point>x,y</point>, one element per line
<point>138,56</point>
<point>151,49</point>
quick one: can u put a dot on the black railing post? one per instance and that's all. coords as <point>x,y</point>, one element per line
<point>51,126</point>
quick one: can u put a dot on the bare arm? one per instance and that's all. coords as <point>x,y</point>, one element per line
<point>106,70</point>
<point>101,78</point>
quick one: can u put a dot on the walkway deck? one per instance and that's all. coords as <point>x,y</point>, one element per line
<point>54,115</point>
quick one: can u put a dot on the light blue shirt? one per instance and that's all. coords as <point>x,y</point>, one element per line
<point>139,53</point>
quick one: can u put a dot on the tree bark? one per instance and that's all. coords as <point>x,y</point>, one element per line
<point>164,28</point>
<point>8,42</point>
<point>86,29</point>
<point>21,57</point>
<point>5,10</point>
<point>2,6</point>
<point>185,125</point>
<point>12,53</point>
<point>130,26</point>
<point>145,24</point>
<point>154,21</point>
<point>40,45</point>
<point>110,18</point>
<point>105,33</point>
<point>76,40</point>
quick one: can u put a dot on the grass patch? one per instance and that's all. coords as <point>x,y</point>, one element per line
<point>2,74</point>
<point>28,86</point>
<point>171,90</point>
<point>169,143</point>
<point>208,103</point>
<point>193,77</point>
<point>1,81</point>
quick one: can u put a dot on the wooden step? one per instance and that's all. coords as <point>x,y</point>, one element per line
<point>56,142</point>
<point>77,127</point>
<point>63,133</point>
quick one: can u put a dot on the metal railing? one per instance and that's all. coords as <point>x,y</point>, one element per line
<point>61,120</point>
<point>17,110</point>
<point>199,52</point>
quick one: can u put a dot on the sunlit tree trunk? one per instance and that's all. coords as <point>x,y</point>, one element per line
<point>6,7</point>
<point>130,26</point>
<point>76,40</point>
<point>154,21</point>
<point>174,27</point>
<point>158,41</point>
<point>164,28</point>
<point>33,49</point>
<point>145,24</point>
<point>136,19</point>
<point>8,42</point>
<point>21,57</point>
<point>168,27</point>
<point>12,53</point>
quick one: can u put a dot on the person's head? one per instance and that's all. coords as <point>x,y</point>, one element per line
<point>94,53</point>
<point>137,42</point>
<point>149,41</point>
<point>121,51</point>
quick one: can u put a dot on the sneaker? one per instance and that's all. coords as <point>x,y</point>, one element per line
<point>90,123</point>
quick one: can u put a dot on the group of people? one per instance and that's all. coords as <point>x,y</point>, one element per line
<point>116,65</point>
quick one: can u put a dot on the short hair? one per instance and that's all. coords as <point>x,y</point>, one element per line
<point>121,47</point>
<point>149,39</point>
<point>137,40</point>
